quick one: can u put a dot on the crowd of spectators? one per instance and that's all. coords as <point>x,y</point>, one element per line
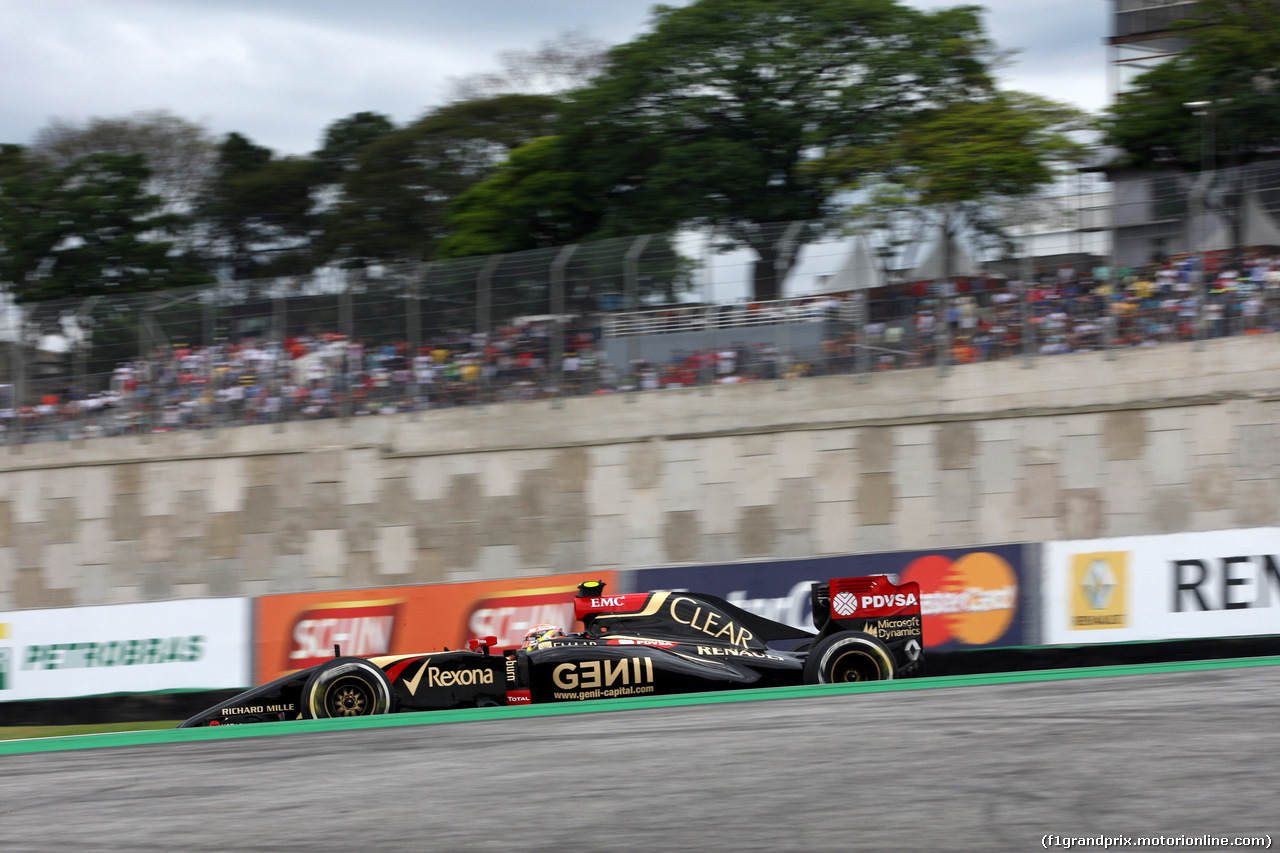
<point>323,375</point>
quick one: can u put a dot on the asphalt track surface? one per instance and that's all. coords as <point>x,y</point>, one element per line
<point>992,767</point>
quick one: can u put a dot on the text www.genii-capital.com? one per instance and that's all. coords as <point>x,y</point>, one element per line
<point>1106,842</point>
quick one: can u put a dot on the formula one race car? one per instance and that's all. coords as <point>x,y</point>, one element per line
<point>650,643</point>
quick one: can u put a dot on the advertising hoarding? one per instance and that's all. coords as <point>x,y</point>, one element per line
<point>971,598</point>
<point>299,630</point>
<point>200,644</point>
<point>1180,586</point>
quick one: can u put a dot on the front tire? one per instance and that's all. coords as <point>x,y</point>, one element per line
<point>848,657</point>
<point>346,687</point>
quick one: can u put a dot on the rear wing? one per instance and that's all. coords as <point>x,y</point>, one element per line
<point>877,606</point>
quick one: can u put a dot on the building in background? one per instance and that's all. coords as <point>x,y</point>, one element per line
<point>1142,37</point>
<point>1162,213</point>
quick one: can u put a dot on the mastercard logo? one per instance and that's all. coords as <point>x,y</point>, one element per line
<point>972,600</point>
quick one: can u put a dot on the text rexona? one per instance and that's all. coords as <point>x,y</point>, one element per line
<point>437,677</point>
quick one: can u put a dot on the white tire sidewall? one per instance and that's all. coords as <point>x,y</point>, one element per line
<point>864,645</point>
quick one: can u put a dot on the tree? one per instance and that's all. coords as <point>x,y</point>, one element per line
<point>180,155</point>
<point>956,164</point>
<point>533,200</point>
<point>347,137</point>
<point>711,118</point>
<point>566,62</point>
<point>260,211</point>
<point>393,203</point>
<point>85,228</point>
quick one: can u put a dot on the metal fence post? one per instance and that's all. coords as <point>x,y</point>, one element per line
<point>280,331</point>
<point>1201,289</point>
<point>1108,320</point>
<point>861,353</point>
<point>208,321</point>
<point>413,331</point>
<point>555,360</point>
<point>631,297</point>
<point>484,313</point>
<point>783,251</point>
<point>348,371</point>
<point>80,368</point>
<point>942,330</point>
<point>1024,319</point>
<point>143,378</point>
<point>279,317</point>
<point>17,435</point>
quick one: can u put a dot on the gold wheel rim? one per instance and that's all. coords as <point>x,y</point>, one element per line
<point>349,701</point>
<point>853,670</point>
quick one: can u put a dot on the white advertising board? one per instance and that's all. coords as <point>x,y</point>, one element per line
<point>125,648</point>
<point>1223,583</point>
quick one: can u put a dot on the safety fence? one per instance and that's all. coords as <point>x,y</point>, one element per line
<point>1071,593</point>
<point>627,315</point>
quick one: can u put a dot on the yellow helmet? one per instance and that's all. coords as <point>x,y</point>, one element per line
<point>539,634</point>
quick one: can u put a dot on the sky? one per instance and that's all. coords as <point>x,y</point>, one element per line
<point>281,71</point>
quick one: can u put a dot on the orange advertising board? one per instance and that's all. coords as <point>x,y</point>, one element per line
<point>299,630</point>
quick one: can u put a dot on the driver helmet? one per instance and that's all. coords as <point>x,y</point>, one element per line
<point>539,634</point>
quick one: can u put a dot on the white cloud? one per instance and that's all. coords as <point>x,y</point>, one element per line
<point>280,71</point>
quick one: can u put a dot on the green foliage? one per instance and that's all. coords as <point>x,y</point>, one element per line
<point>533,200</point>
<point>179,154</point>
<point>734,115</point>
<point>1232,60</point>
<point>239,156</point>
<point>346,138</point>
<point>260,211</point>
<point>394,202</point>
<point>84,229</point>
<point>1007,145</point>
<point>958,163</point>
<point>712,117</point>
<point>536,200</point>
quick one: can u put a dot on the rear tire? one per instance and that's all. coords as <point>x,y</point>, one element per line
<point>848,657</point>
<point>346,687</point>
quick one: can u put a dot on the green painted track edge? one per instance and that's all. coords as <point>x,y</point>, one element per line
<point>147,738</point>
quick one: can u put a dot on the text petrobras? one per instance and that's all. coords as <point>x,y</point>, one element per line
<point>114,653</point>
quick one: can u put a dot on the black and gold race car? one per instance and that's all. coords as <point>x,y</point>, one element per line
<point>635,644</point>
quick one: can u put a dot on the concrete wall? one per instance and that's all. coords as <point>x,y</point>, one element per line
<point>1156,440</point>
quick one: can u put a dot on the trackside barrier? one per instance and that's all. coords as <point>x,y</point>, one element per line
<point>200,644</point>
<point>346,724</point>
<point>971,598</point>
<point>1223,583</point>
<point>1132,589</point>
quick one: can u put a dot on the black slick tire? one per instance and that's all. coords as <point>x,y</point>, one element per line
<point>846,657</point>
<point>346,687</point>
